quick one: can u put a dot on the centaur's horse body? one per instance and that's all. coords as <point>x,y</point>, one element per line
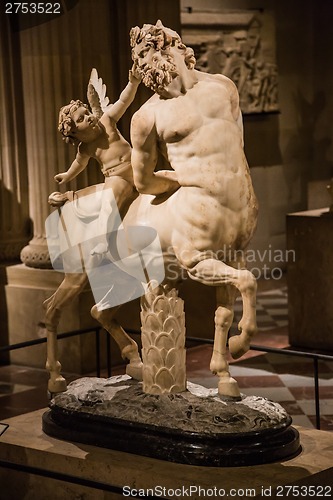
<point>201,231</point>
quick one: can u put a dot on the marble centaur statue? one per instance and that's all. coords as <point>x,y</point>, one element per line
<point>202,206</point>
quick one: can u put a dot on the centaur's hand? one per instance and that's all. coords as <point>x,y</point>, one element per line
<point>171,175</point>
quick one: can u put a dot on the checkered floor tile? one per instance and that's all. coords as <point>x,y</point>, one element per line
<point>272,309</point>
<point>281,378</point>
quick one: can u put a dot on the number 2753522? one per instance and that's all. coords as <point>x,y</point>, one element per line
<point>32,8</point>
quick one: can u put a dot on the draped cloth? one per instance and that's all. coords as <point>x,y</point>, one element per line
<point>134,256</point>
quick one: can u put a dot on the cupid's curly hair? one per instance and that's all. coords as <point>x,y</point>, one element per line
<point>66,123</point>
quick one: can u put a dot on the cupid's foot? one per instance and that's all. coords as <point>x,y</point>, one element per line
<point>99,249</point>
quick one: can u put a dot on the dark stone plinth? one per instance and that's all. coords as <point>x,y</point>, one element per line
<point>194,427</point>
<point>309,277</point>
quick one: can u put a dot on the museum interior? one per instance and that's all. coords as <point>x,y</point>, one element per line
<point>280,56</point>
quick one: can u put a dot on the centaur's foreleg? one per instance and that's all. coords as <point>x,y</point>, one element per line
<point>224,314</point>
<point>128,347</point>
<point>69,288</point>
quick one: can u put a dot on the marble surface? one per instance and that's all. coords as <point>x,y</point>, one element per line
<point>194,427</point>
<point>25,443</point>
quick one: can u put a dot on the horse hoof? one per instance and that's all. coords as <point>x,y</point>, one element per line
<point>228,389</point>
<point>238,347</point>
<point>135,370</point>
<point>57,385</point>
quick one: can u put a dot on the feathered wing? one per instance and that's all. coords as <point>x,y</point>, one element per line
<point>96,94</point>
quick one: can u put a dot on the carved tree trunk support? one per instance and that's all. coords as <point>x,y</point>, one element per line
<point>163,341</point>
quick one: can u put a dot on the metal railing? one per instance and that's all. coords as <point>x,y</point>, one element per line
<point>60,336</point>
<point>94,329</point>
<point>97,330</point>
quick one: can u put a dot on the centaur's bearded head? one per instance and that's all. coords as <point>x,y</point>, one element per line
<point>151,46</point>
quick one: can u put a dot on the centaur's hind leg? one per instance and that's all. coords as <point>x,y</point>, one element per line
<point>128,347</point>
<point>214,272</point>
<point>225,297</point>
<point>69,288</point>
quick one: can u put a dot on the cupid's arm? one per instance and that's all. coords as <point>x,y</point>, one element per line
<point>116,110</point>
<point>78,165</point>
<point>144,157</point>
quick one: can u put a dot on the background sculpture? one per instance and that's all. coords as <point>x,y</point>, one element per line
<point>239,44</point>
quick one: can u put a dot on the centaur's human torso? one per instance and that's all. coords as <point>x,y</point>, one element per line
<point>200,133</point>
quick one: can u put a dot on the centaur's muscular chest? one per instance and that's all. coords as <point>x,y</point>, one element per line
<point>180,117</point>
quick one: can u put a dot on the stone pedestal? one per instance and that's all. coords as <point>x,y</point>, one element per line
<point>193,427</point>
<point>310,279</point>
<point>28,449</point>
<point>26,290</point>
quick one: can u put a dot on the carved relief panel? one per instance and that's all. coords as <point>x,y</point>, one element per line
<point>240,45</point>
